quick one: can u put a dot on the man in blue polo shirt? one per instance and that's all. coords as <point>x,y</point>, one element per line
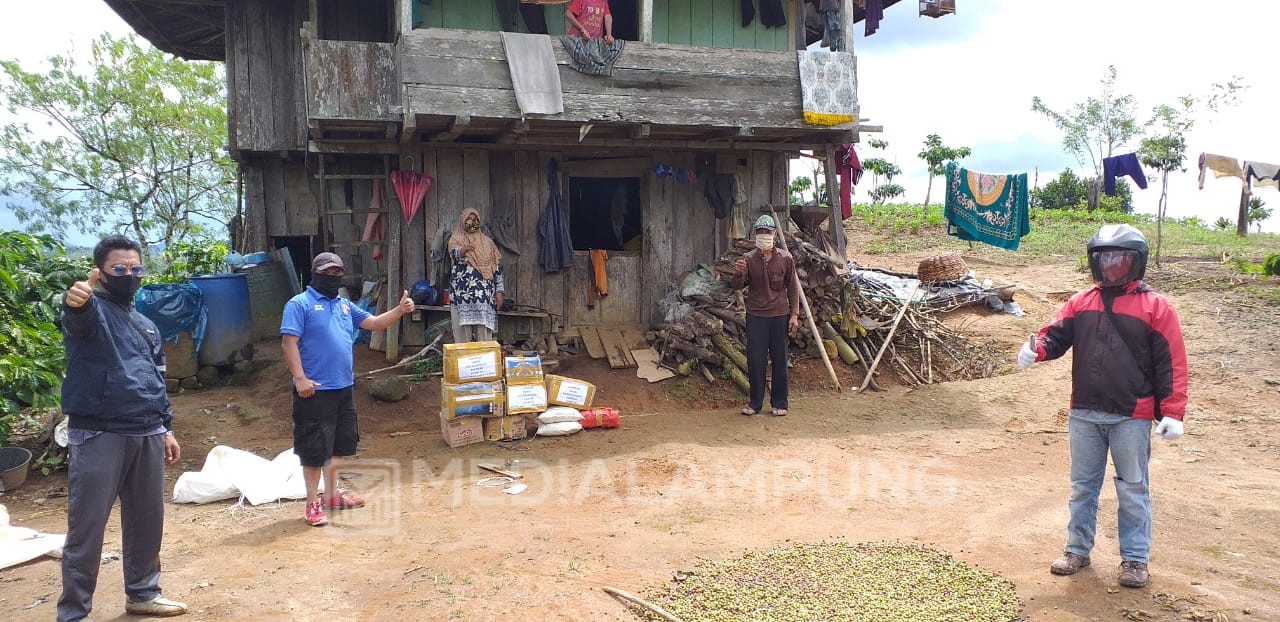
<point>318,332</point>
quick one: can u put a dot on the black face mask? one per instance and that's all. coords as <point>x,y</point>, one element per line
<point>326,284</point>
<point>121,288</point>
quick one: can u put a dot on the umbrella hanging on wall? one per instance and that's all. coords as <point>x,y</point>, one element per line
<point>411,187</point>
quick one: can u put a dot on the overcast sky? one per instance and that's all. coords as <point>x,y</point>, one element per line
<point>970,78</point>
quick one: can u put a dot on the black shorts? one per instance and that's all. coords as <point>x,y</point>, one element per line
<point>324,425</point>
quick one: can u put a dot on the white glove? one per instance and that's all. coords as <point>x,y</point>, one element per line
<point>1169,428</point>
<point>1027,355</point>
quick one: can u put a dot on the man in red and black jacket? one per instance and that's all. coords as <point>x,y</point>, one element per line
<point>1128,370</point>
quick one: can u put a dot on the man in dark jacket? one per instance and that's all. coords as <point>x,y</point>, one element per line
<point>1129,368</point>
<point>120,435</point>
<point>773,314</point>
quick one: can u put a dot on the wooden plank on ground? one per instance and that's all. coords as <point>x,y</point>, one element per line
<point>633,336</point>
<point>591,339</point>
<point>616,348</point>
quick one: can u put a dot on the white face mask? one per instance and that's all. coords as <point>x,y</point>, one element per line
<point>764,241</point>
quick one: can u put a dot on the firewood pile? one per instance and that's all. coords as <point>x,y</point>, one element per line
<point>854,316</point>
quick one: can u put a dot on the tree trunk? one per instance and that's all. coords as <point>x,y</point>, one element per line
<point>1242,223</point>
<point>1160,207</point>
<point>928,193</point>
<point>1095,192</point>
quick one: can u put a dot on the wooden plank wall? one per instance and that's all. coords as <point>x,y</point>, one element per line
<point>282,194</point>
<point>266,107</point>
<point>352,80</point>
<point>717,23</point>
<point>448,71</point>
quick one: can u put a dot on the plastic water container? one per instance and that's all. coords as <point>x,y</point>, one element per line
<point>226,301</point>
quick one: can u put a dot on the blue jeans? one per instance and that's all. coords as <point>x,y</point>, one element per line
<point>1129,442</point>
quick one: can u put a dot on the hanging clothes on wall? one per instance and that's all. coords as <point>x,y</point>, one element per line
<point>871,15</point>
<point>772,13</point>
<point>828,87</point>
<point>555,244</point>
<point>850,169</point>
<point>1261,174</point>
<point>832,36</point>
<point>534,16</point>
<point>375,223</point>
<point>724,192</point>
<point>594,57</point>
<point>1222,166</point>
<point>987,208</point>
<point>439,275</point>
<point>534,74</point>
<point>597,276</point>
<point>1118,166</point>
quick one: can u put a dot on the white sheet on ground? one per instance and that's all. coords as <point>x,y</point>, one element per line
<point>229,473</point>
<point>19,545</point>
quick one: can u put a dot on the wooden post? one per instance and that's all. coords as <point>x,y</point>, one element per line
<point>835,222</point>
<point>646,21</point>
<point>804,302</point>
<point>846,25</point>
<point>798,30</point>
<point>1242,223</point>
<point>404,15</point>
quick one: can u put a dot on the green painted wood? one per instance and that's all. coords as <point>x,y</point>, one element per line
<point>723,23</point>
<point>702,27</point>
<point>661,13</point>
<point>744,37</point>
<point>680,22</point>
<point>430,15</point>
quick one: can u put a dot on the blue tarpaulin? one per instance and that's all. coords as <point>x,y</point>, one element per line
<point>175,308</point>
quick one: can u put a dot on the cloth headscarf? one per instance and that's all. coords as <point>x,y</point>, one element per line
<point>486,256</point>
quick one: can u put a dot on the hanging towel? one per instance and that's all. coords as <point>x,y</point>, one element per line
<point>986,208</point>
<point>1261,174</point>
<point>555,245</point>
<point>872,14</point>
<point>828,87</point>
<point>375,223</point>
<point>598,285</point>
<point>534,73</point>
<point>850,169</point>
<point>1120,165</point>
<point>594,57</point>
<point>1222,166</point>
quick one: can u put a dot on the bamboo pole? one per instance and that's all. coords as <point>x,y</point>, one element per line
<point>804,302</point>
<point>906,304</point>
<point>636,600</point>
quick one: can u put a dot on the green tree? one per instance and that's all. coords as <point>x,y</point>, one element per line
<point>936,156</point>
<point>799,187</point>
<point>1097,127</point>
<point>1068,191</point>
<point>1258,213</point>
<point>882,169</point>
<point>131,144</point>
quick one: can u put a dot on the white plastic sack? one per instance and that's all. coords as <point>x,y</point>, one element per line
<point>19,545</point>
<point>563,428</point>
<point>229,473</point>
<point>559,414</point>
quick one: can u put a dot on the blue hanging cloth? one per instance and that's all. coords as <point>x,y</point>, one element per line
<point>555,245</point>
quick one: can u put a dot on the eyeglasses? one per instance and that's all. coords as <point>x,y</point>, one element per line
<point>121,270</point>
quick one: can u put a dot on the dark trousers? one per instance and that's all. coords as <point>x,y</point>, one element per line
<point>101,469</point>
<point>767,343</point>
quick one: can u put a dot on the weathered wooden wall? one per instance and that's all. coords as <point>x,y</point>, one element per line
<point>266,107</point>
<point>352,80</point>
<point>451,72</point>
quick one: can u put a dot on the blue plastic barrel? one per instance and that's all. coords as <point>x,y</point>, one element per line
<point>226,301</point>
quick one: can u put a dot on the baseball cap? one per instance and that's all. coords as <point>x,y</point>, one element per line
<point>324,261</point>
<point>765,222</point>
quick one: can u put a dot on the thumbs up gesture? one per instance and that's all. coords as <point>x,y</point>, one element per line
<point>82,291</point>
<point>406,303</point>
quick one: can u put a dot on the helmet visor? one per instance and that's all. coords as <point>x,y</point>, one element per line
<point>1114,267</point>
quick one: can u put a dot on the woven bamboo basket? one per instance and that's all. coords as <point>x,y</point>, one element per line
<point>948,267</point>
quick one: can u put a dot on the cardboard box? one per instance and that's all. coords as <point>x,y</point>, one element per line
<point>472,399</point>
<point>461,431</point>
<point>509,428</point>
<point>525,369</point>
<point>563,391</point>
<point>526,398</point>
<point>477,361</point>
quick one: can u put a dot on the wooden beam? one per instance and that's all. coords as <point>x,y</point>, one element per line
<point>456,129</point>
<point>640,131</point>
<point>846,25</point>
<point>835,224</point>
<point>409,128</point>
<point>404,13</point>
<point>799,28</point>
<point>646,21</point>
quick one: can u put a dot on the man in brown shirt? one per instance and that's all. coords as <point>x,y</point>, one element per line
<point>773,314</point>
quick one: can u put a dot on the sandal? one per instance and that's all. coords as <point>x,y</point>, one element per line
<point>748,411</point>
<point>778,412</point>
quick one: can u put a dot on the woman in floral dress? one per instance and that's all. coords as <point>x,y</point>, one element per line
<point>477,286</point>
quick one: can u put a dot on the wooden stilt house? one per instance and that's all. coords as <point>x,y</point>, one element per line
<point>326,97</point>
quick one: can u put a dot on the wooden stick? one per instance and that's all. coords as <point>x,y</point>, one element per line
<point>804,302</point>
<point>408,359</point>
<point>490,467</point>
<point>641,602</point>
<point>906,304</point>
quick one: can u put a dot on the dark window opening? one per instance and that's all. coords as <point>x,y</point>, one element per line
<point>604,213</point>
<point>370,21</point>
<point>626,19</point>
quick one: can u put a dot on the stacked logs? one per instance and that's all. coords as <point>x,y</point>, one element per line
<point>854,317</point>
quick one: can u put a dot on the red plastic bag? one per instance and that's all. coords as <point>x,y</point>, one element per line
<point>601,417</point>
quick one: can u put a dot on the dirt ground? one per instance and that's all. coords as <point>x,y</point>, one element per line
<point>978,469</point>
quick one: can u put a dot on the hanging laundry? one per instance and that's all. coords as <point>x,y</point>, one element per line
<point>440,264</point>
<point>375,222</point>
<point>534,16</point>
<point>555,244</point>
<point>1261,174</point>
<point>724,192</point>
<point>850,169</point>
<point>597,276</point>
<point>987,208</point>
<point>872,14</point>
<point>1222,166</point>
<point>508,19</point>
<point>772,14</point>
<point>534,74</point>
<point>832,36</point>
<point>1120,165</point>
<point>748,12</point>
<point>828,86</point>
<point>594,56</point>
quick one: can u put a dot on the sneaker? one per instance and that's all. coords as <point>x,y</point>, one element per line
<point>315,514</point>
<point>1069,563</point>
<point>158,607</point>
<point>1134,574</point>
<point>343,501</point>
